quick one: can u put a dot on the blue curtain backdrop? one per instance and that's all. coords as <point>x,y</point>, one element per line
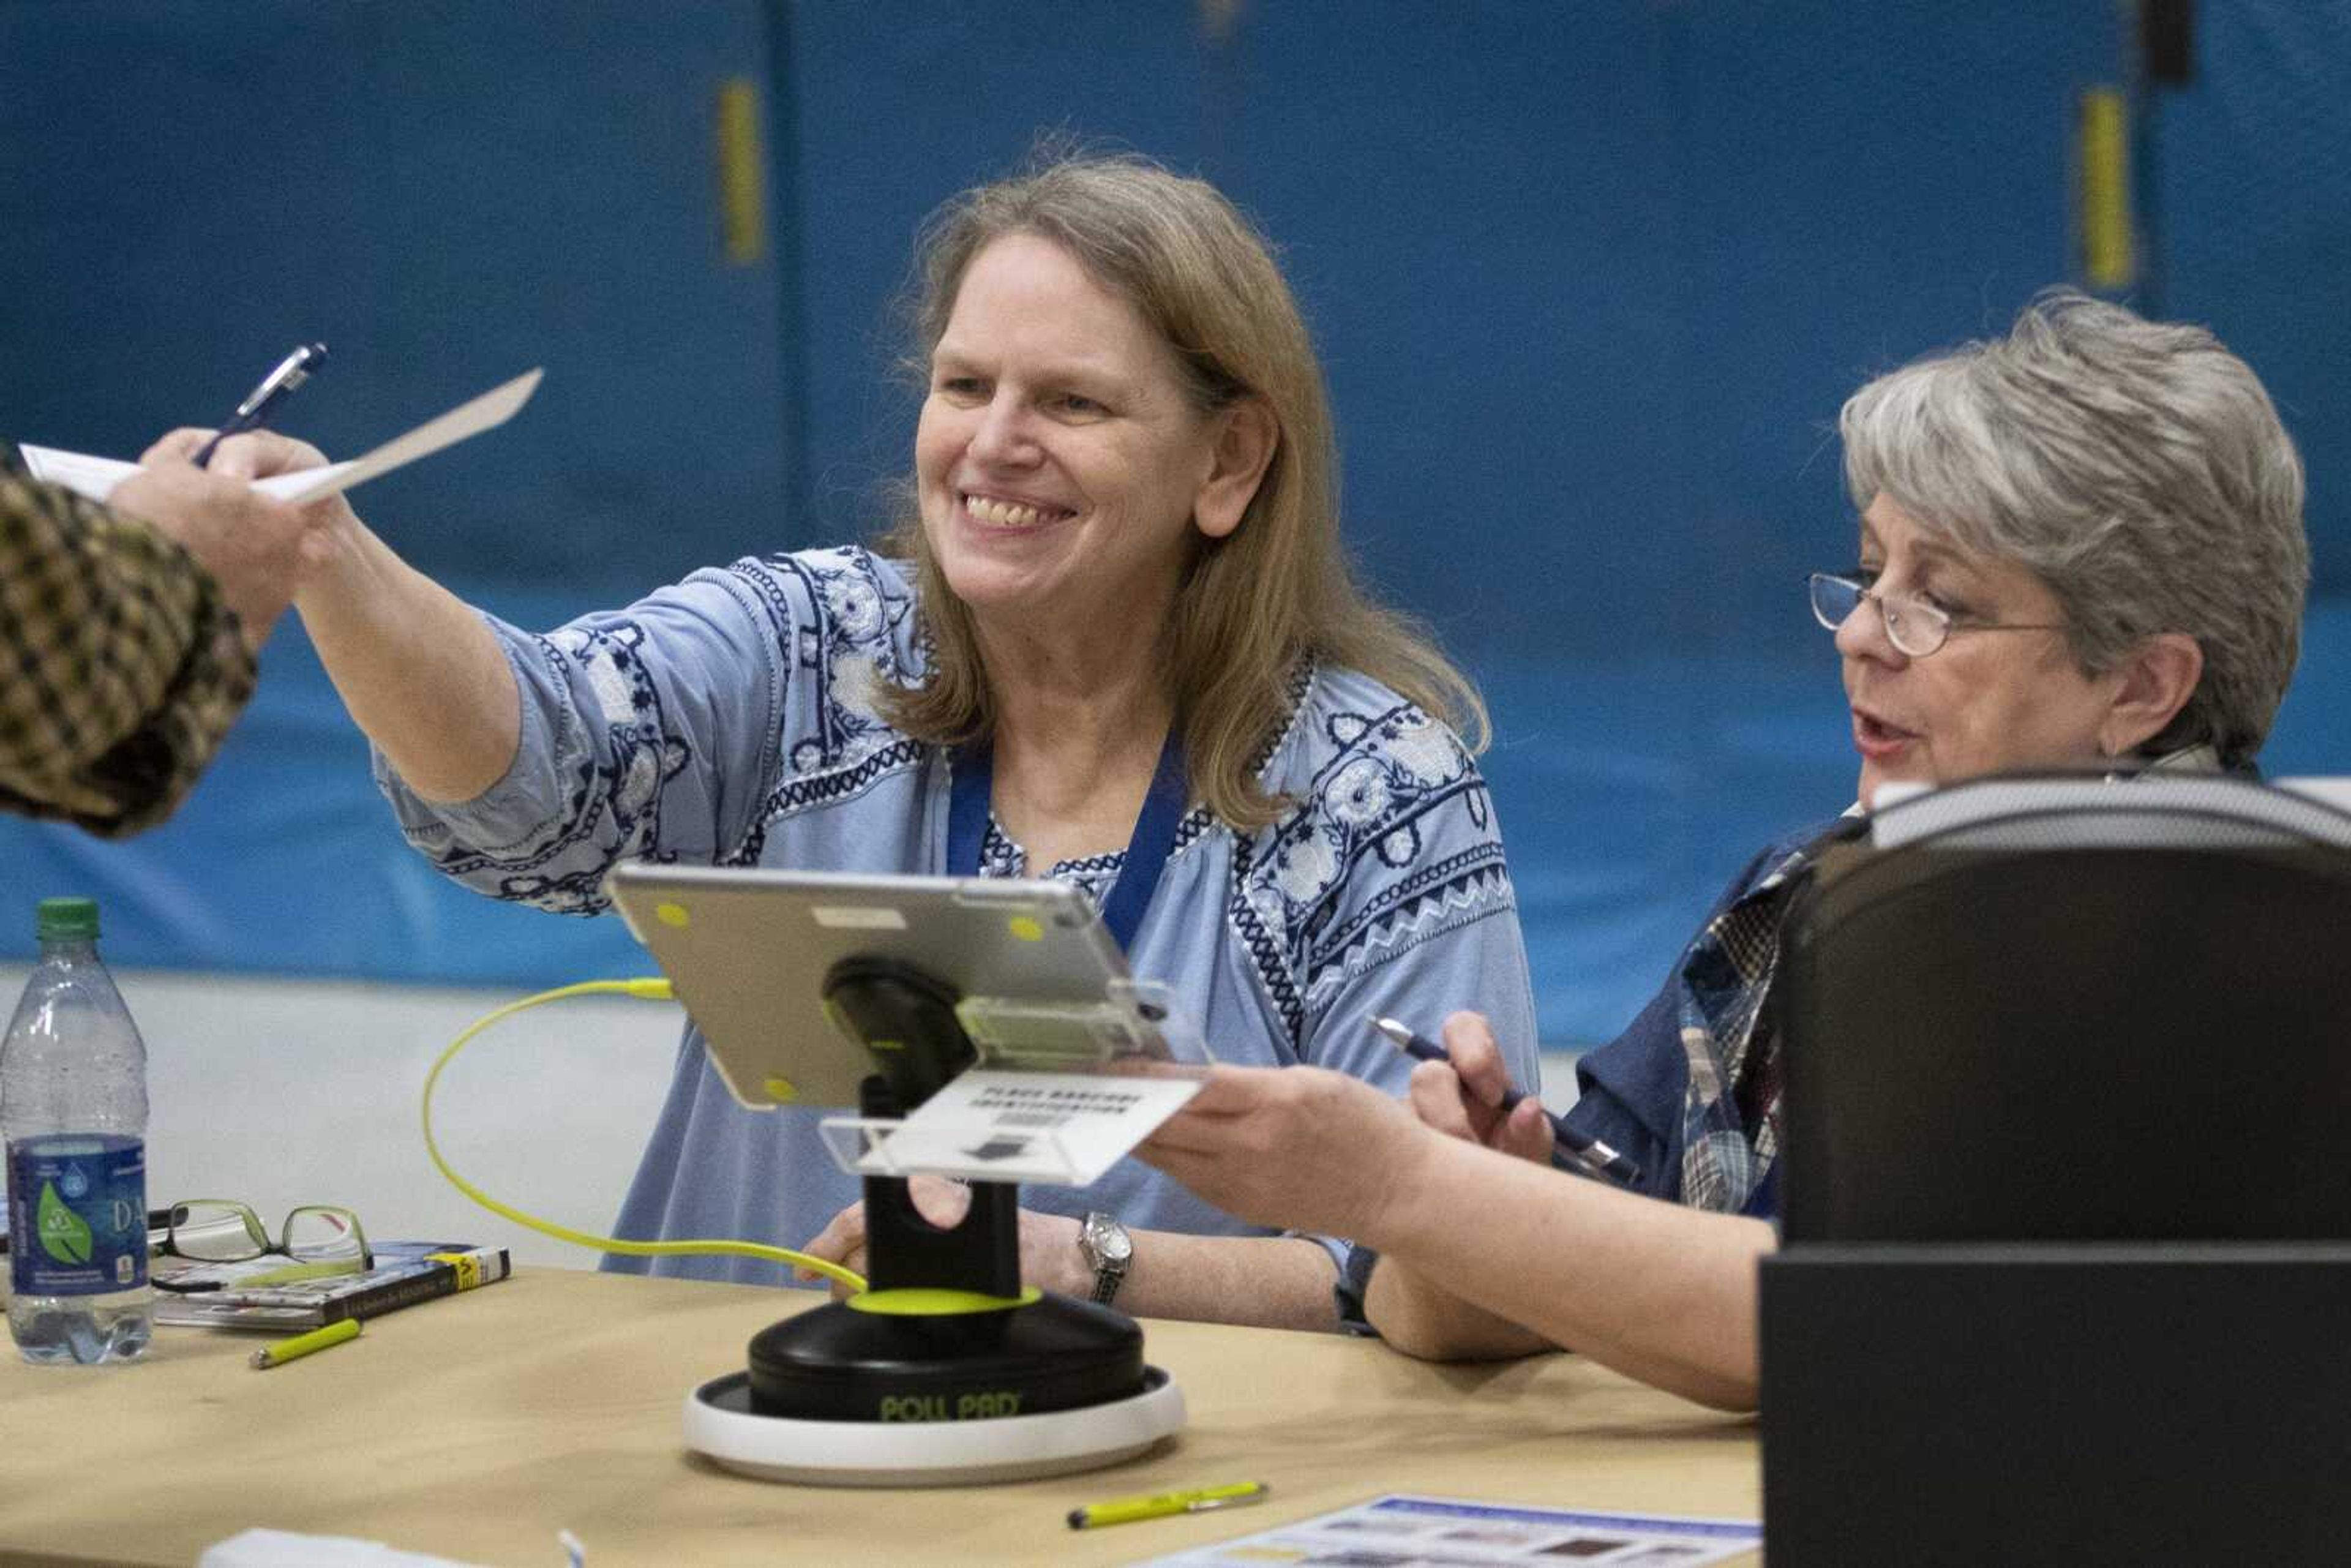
<point>1589,282</point>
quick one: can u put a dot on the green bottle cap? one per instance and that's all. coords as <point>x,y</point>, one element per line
<point>69,920</point>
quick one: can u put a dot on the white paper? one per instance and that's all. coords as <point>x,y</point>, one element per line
<point>1406,1530</point>
<point>96,477</point>
<point>289,1549</point>
<point>491,409</point>
<point>93,476</point>
<point>1053,1129</point>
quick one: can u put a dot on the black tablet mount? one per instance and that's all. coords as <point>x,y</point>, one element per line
<point>945,1329</point>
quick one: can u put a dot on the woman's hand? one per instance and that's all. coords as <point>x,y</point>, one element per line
<point>1298,1148</point>
<point>260,550</point>
<point>417,667</point>
<point>1463,1098</point>
<point>265,551</point>
<point>1050,1257</point>
<point>249,456</point>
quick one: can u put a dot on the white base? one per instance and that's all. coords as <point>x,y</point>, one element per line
<point>928,1453</point>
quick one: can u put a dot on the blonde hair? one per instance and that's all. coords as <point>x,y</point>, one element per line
<point>1254,605</point>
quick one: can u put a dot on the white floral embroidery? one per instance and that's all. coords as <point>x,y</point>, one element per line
<point>855,684</point>
<point>854,605</point>
<point>1359,795</point>
<point>637,787</point>
<point>1308,867</point>
<point>615,695</point>
<point>1426,749</point>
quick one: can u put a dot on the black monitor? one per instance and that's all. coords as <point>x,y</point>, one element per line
<point>2067,1227</point>
<point>2065,1009</point>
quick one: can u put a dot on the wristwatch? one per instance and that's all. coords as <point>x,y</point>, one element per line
<point>1108,1250</point>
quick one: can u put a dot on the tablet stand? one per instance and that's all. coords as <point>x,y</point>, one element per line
<point>946,1369</point>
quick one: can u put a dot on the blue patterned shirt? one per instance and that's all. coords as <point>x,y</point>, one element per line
<point>730,720</point>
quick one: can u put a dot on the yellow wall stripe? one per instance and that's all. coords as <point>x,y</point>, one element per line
<point>742,173</point>
<point>2102,191</point>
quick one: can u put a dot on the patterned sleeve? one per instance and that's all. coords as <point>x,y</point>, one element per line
<point>120,665</point>
<point>661,730</point>
<point>1385,895</point>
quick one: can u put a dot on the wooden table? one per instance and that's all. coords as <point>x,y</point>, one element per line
<point>476,1427</point>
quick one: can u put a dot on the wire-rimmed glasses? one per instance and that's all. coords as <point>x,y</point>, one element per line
<point>318,1242</point>
<point>1915,627</point>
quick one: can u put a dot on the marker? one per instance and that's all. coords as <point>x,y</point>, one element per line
<point>262,400</point>
<point>1160,1505</point>
<point>286,1350</point>
<point>1572,1149</point>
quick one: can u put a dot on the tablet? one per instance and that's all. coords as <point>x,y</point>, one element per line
<point>747,951</point>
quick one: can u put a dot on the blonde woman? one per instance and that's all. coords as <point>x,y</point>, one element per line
<point>1114,625</point>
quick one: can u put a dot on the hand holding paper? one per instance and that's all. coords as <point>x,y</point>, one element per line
<point>97,477</point>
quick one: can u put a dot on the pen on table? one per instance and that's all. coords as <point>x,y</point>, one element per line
<point>286,1350</point>
<point>1160,1505</point>
<point>1571,1148</point>
<point>262,400</point>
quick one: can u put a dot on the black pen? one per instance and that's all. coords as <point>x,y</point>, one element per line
<point>1571,1149</point>
<point>262,400</point>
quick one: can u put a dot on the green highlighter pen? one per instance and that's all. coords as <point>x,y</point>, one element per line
<point>286,1350</point>
<point>1127,1510</point>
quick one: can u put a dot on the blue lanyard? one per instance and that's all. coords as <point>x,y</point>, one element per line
<point>973,772</point>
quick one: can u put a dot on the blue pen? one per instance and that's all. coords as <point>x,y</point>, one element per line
<point>262,400</point>
<point>1571,1149</point>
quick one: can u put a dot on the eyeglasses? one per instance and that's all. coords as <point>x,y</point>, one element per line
<point>1915,626</point>
<point>317,1242</point>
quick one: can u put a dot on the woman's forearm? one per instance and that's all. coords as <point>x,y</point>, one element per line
<point>417,668</point>
<point>1419,1317</point>
<point>1265,1282</point>
<point>1660,1293</point>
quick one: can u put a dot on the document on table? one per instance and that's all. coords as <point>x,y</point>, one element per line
<point>97,477</point>
<point>1404,1529</point>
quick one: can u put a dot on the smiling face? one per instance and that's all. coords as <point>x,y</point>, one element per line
<point>1988,700</point>
<point>1059,465</point>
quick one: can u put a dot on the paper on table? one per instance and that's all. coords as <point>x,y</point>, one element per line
<point>262,1548</point>
<point>96,477</point>
<point>1402,1527</point>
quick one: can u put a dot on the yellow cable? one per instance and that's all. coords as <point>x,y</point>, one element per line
<point>652,990</point>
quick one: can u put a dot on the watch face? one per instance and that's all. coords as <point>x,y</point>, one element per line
<point>1108,1240</point>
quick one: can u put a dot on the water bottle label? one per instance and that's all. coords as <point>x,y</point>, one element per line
<point>77,1215</point>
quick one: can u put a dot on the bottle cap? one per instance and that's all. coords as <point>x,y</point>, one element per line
<point>69,920</point>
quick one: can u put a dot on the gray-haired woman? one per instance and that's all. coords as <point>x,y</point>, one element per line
<point>2080,545</point>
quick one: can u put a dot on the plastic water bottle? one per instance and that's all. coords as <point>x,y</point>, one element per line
<point>73,1108</point>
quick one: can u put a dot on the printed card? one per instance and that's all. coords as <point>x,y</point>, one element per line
<point>1060,1129</point>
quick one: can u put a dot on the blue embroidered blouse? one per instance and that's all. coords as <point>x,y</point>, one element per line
<point>730,720</point>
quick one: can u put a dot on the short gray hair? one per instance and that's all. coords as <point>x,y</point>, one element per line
<point>2136,467</point>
